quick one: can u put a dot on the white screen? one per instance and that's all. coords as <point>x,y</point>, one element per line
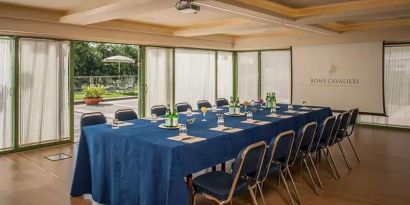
<point>341,76</point>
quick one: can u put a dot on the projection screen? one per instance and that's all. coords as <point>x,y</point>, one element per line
<point>341,76</point>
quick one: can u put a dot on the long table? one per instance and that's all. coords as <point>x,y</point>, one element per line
<point>137,164</point>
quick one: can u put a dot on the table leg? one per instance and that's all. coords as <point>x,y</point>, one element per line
<point>190,189</point>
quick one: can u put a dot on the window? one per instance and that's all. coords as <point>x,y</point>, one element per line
<point>248,75</point>
<point>6,88</point>
<point>397,87</point>
<point>194,76</point>
<point>276,74</point>
<point>158,77</point>
<point>225,75</point>
<point>44,92</point>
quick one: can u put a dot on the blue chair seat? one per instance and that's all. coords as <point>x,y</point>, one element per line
<point>218,184</point>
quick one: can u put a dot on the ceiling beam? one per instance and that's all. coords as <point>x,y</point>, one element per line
<point>114,11</point>
<point>368,25</point>
<point>238,9</point>
<point>220,27</point>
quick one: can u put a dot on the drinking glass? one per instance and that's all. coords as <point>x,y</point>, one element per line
<point>249,115</point>
<point>154,117</point>
<point>273,109</point>
<point>115,123</point>
<point>189,112</point>
<point>290,107</point>
<point>183,131</point>
<point>214,108</point>
<point>254,110</point>
<point>221,121</point>
<point>204,110</point>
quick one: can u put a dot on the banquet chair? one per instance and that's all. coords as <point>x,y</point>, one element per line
<point>276,162</point>
<point>158,110</point>
<point>341,134</point>
<point>125,115</point>
<point>182,107</point>
<point>92,118</point>
<point>352,124</point>
<point>323,143</point>
<point>204,103</point>
<point>221,187</point>
<point>221,102</point>
<point>303,149</point>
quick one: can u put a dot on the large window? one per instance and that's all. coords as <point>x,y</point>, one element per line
<point>397,87</point>
<point>194,76</point>
<point>158,77</point>
<point>225,75</point>
<point>44,91</point>
<point>6,86</point>
<point>248,75</point>
<point>276,74</point>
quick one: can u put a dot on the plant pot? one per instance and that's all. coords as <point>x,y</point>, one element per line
<point>92,101</point>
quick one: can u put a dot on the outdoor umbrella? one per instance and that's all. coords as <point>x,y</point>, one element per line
<point>119,60</point>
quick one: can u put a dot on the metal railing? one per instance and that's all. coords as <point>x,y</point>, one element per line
<point>121,84</point>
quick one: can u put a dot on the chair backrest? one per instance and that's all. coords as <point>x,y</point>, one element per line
<point>182,107</point>
<point>221,102</point>
<point>92,118</point>
<point>353,119</point>
<point>304,140</point>
<point>249,160</point>
<point>204,103</point>
<point>126,114</point>
<point>279,151</point>
<point>335,130</point>
<point>159,110</point>
<point>325,132</point>
<point>344,123</point>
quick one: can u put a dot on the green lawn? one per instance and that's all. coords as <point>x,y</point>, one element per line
<point>80,96</point>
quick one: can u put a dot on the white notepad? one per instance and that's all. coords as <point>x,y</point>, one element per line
<point>187,139</point>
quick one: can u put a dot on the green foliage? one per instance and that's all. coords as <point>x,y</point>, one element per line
<point>89,59</point>
<point>93,91</point>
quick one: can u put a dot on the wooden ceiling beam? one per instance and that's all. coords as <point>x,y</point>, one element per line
<point>114,11</point>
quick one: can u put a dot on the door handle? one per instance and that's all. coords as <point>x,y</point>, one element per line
<point>145,88</point>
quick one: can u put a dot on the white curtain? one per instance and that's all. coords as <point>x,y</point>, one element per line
<point>225,75</point>
<point>158,77</point>
<point>194,76</point>
<point>276,74</point>
<point>397,88</point>
<point>248,76</point>
<point>44,92</point>
<point>6,85</point>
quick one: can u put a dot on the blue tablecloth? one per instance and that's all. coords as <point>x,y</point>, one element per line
<point>137,164</point>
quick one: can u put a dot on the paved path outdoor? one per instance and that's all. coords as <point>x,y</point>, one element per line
<point>108,108</point>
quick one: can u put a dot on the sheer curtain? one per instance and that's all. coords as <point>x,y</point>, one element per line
<point>276,74</point>
<point>194,76</point>
<point>248,75</point>
<point>397,88</point>
<point>225,75</point>
<point>6,85</point>
<point>44,90</point>
<point>158,77</point>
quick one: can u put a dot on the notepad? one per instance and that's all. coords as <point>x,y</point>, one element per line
<point>187,139</point>
<point>274,115</point>
<point>290,111</point>
<point>226,129</point>
<point>255,122</point>
<point>122,124</point>
<point>315,108</point>
<point>302,112</point>
<point>304,108</point>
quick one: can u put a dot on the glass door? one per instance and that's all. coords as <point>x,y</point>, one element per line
<point>158,77</point>
<point>6,93</point>
<point>44,110</point>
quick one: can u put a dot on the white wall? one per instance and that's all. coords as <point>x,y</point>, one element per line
<point>341,76</point>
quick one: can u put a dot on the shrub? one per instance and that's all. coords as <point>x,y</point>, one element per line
<point>93,91</point>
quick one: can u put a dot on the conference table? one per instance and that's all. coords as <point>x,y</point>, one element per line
<point>139,164</point>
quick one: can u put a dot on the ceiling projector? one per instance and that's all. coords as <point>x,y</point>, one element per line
<point>187,6</point>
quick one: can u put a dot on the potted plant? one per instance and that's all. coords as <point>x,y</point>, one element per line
<point>93,94</point>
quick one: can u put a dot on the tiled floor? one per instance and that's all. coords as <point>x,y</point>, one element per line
<point>383,177</point>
